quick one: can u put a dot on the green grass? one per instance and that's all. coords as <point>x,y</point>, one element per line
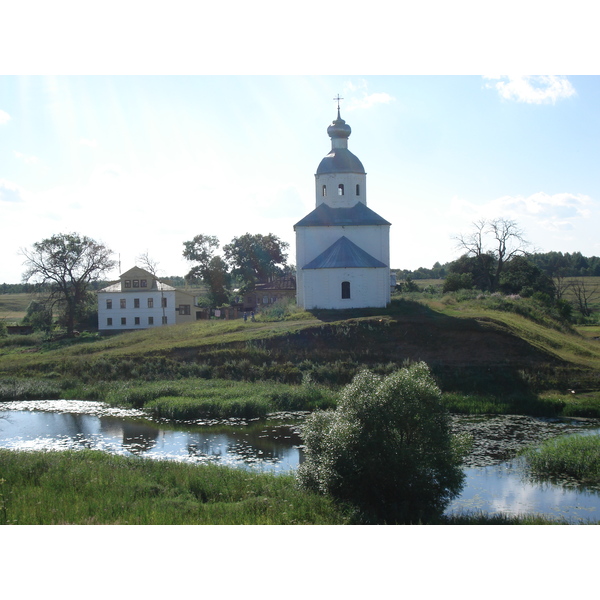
<point>14,306</point>
<point>511,350</point>
<point>574,457</point>
<point>87,487</point>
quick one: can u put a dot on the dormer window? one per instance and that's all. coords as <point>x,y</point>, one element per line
<point>128,283</point>
<point>341,189</point>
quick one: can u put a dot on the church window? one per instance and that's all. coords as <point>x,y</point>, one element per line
<point>358,189</point>
<point>108,304</point>
<point>345,290</point>
<point>341,189</point>
<point>123,303</point>
<point>324,191</point>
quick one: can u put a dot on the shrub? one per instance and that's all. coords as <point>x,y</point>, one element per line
<point>387,448</point>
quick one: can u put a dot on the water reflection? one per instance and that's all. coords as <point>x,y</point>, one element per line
<point>496,482</point>
<point>271,446</point>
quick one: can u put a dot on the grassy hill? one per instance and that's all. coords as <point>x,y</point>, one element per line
<point>471,346</point>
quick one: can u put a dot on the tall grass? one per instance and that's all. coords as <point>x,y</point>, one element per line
<point>576,457</point>
<point>88,487</point>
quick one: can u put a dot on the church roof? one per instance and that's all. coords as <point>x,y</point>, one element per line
<point>344,254</point>
<point>340,160</point>
<point>326,216</point>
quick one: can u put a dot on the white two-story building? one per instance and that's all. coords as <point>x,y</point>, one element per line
<point>139,301</point>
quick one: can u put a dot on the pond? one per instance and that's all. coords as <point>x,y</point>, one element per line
<point>272,445</point>
<point>496,482</point>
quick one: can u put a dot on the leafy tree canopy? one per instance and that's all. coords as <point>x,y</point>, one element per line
<point>387,448</point>
<point>66,264</point>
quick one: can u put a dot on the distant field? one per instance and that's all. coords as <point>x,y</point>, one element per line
<point>14,306</point>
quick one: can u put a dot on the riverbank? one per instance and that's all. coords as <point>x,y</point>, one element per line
<point>88,487</point>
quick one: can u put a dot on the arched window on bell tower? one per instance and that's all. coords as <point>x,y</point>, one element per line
<point>324,191</point>
<point>341,189</point>
<point>358,189</point>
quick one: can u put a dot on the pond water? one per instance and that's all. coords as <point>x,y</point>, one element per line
<point>496,482</point>
<point>271,445</point>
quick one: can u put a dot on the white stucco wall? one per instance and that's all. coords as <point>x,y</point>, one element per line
<point>312,241</point>
<point>129,313</point>
<point>322,288</point>
<point>349,180</point>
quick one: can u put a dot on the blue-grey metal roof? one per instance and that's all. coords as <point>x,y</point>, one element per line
<point>326,216</point>
<point>340,160</point>
<point>344,254</point>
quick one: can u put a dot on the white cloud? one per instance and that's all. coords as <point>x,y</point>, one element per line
<point>10,192</point>
<point>552,210</point>
<point>4,117</point>
<point>360,98</point>
<point>27,158</point>
<point>533,89</point>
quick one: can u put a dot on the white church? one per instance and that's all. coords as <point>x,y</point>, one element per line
<point>342,246</point>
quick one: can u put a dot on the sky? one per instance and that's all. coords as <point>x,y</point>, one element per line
<point>144,163</point>
<point>144,131</point>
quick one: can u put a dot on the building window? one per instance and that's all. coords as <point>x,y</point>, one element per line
<point>358,189</point>
<point>127,283</point>
<point>324,191</point>
<point>265,299</point>
<point>109,322</point>
<point>136,283</point>
<point>341,189</point>
<point>164,320</point>
<point>136,303</point>
<point>123,303</point>
<point>164,303</point>
<point>143,283</point>
<point>137,320</point>
<point>108,304</point>
<point>150,302</point>
<point>150,320</point>
<point>123,321</point>
<point>345,290</point>
<point>184,309</point>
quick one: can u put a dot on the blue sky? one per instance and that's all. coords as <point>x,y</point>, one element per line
<point>144,163</point>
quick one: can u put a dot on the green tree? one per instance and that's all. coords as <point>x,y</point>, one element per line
<point>39,316</point>
<point>492,244</point>
<point>387,448</point>
<point>522,277</point>
<point>209,268</point>
<point>66,264</point>
<point>256,258</point>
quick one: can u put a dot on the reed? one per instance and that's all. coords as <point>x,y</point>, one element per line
<point>575,457</point>
<point>87,487</point>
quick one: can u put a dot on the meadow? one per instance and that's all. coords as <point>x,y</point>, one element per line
<point>489,354</point>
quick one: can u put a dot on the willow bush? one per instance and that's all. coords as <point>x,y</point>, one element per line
<point>387,448</point>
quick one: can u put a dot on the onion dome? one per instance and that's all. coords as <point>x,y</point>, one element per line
<point>340,159</point>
